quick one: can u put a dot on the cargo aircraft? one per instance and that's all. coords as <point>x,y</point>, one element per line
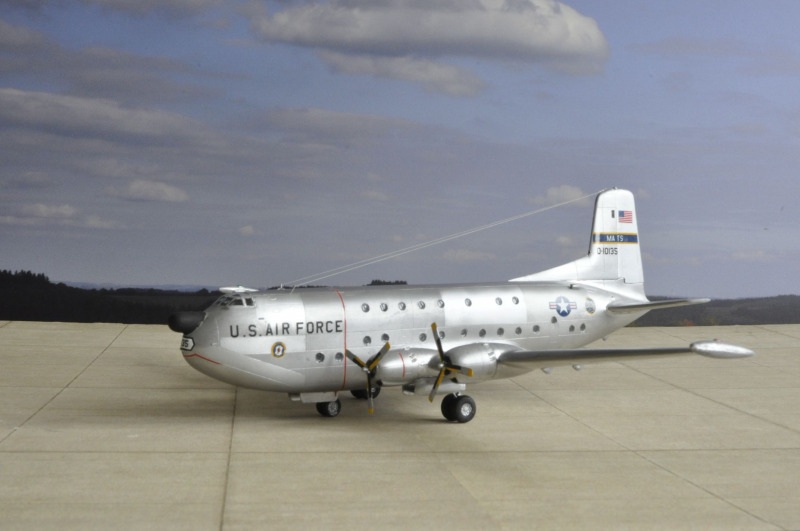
<point>430,340</point>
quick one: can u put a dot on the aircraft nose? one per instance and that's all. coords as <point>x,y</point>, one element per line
<point>185,322</point>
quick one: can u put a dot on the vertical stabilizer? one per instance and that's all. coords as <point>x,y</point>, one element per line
<point>613,249</point>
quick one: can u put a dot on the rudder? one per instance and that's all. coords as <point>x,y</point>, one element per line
<point>614,253</point>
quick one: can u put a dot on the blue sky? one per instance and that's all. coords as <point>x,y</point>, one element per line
<point>218,142</point>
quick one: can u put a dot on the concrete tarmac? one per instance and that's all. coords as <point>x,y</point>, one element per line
<point>105,426</point>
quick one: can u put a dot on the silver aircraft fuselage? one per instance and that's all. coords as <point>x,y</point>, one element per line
<point>314,343</point>
<point>295,341</point>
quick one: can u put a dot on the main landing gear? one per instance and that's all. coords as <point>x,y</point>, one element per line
<point>329,409</point>
<point>455,407</point>
<point>361,394</point>
<point>458,408</point>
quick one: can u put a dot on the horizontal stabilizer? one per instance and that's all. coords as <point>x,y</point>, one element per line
<point>630,307</point>
<point>553,358</point>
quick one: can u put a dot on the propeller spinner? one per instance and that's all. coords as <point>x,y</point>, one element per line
<point>444,365</point>
<point>369,369</point>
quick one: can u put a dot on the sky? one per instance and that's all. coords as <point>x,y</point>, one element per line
<point>223,142</point>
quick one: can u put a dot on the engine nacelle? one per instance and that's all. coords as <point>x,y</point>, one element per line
<point>480,357</point>
<point>403,366</point>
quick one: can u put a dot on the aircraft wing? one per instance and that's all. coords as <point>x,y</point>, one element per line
<point>628,307</point>
<point>552,358</point>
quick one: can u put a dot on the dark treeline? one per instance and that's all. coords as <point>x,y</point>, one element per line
<point>26,296</point>
<point>783,309</point>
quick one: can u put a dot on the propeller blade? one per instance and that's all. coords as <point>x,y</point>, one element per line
<point>438,342</point>
<point>444,365</point>
<point>370,404</point>
<point>378,357</point>
<point>355,359</point>
<point>369,369</point>
<point>437,384</point>
<point>466,371</point>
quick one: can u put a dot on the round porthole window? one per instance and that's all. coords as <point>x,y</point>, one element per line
<point>421,305</point>
<point>365,307</point>
<point>468,302</point>
<point>384,306</point>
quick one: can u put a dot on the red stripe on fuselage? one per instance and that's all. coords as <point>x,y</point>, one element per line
<point>195,355</point>
<point>344,318</point>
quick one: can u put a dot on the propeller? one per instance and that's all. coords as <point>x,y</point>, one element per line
<point>444,365</point>
<point>369,369</point>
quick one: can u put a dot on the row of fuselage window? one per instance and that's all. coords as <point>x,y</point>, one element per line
<point>423,336</point>
<point>440,303</point>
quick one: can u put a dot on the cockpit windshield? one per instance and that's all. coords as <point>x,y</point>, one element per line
<point>227,301</point>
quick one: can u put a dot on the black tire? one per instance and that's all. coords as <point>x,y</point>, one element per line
<point>463,409</point>
<point>361,394</point>
<point>329,409</point>
<point>448,407</point>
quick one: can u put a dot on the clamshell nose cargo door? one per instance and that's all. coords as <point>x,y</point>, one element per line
<point>186,322</point>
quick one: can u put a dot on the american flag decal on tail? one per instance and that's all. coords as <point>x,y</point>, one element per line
<point>626,216</point>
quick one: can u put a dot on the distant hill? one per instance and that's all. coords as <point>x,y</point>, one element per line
<point>26,296</point>
<point>783,309</point>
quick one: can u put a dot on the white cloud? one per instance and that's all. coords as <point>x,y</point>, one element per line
<point>561,194</point>
<point>564,241</point>
<point>169,7</point>
<point>433,76</point>
<point>41,215</point>
<point>141,190</point>
<point>754,255</point>
<point>40,210</point>
<point>374,195</point>
<point>93,118</point>
<point>400,39</point>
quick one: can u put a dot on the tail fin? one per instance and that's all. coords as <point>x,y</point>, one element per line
<point>613,249</point>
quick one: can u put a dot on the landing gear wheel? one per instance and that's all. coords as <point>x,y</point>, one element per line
<point>448,406</point>
<point>329,409</point>
<point>361,394</point>
<point>458,408</point>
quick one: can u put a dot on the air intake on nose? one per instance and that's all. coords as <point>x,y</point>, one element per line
<point>185,322</point>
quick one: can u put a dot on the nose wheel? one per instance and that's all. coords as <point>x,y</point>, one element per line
<point>458,408</point>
